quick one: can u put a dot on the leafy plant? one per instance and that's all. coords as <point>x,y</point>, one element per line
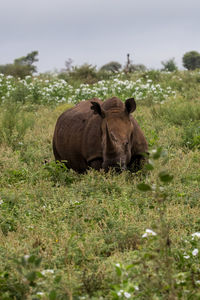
<point>191,135</point>
<point>59,173</point>
<point>14,124</point>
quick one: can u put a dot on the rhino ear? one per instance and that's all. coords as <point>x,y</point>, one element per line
<point>96,107</point>
<point>130,105</point>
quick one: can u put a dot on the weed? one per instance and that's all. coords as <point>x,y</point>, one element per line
<point>20,93</point>
<point>59,173</point>
<point>191,135</point>
<point>180,113</point>
<point>14,124</point>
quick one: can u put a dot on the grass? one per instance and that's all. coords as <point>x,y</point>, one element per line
<point>70,236</point>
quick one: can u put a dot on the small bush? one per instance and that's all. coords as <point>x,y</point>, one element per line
<point>83,74</point>
<point>169,65</point>
<point>20,93</point>
<point>14,124</point>
<point>112,66</point>
<point>191,135</point>
<point>59,173</point>
<point>153,75</point>
<point>9,214</point>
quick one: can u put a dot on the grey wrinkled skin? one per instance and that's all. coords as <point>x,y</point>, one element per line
<point>100,135</point>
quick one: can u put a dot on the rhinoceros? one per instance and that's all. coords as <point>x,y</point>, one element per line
<point>101,135</point>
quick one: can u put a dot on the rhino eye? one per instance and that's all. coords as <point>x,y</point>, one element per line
<point>126,145</point>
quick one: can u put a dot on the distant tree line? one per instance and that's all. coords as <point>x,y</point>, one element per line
<point>25,65</point>
<point>191,61</point>
<point>22,66</point>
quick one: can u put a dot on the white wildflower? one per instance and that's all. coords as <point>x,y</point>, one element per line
<point>153,151</point>
<point>196,234</point>
<point>48,271</point>
<point>117,265</point>
<point>127,295</point>
<point>120,293</point>
<point>40,294</point>
<point>148,232</point>
<point>195,252</point>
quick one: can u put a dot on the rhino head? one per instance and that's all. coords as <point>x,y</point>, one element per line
<point>116,130</point>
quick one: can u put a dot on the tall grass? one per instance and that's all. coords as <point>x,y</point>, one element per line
<point>15,121</point>
<point>70,236</point>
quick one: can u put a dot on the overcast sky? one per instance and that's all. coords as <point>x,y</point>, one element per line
<point>99,31</point>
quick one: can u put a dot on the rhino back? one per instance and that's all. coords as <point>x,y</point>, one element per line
<point>73,139</point>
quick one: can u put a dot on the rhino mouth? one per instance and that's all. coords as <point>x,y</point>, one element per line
<point>118,167</point>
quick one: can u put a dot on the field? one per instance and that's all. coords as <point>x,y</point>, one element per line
<point>95,235</point>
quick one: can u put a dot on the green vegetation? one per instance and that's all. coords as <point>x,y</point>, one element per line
<point>191,60</point>
<point>83,74</point>
<point>100,236</point>
<point>22,66</point>
<point>169,65</point>
<point>112,66</point>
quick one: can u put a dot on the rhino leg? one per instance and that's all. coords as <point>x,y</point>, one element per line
<point>96,164</point>
<point>57,156</point>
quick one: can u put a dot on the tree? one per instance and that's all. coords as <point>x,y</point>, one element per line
<point>22,66</point>
<point>169,65</point>
<point>191,60</point>
<point>112,66</point>
<point>28,60</point>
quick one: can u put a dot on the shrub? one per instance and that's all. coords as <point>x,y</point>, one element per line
<point>191,135</point>
<point>20,93</point>
<point>169,65</point>
<point>112,66</point>
<point>59,173</point>
<point>15,70</point>
<point>14,124</point>
<point>85,74</point>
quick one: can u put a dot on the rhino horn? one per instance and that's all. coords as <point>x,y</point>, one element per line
<point>110,149</point>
